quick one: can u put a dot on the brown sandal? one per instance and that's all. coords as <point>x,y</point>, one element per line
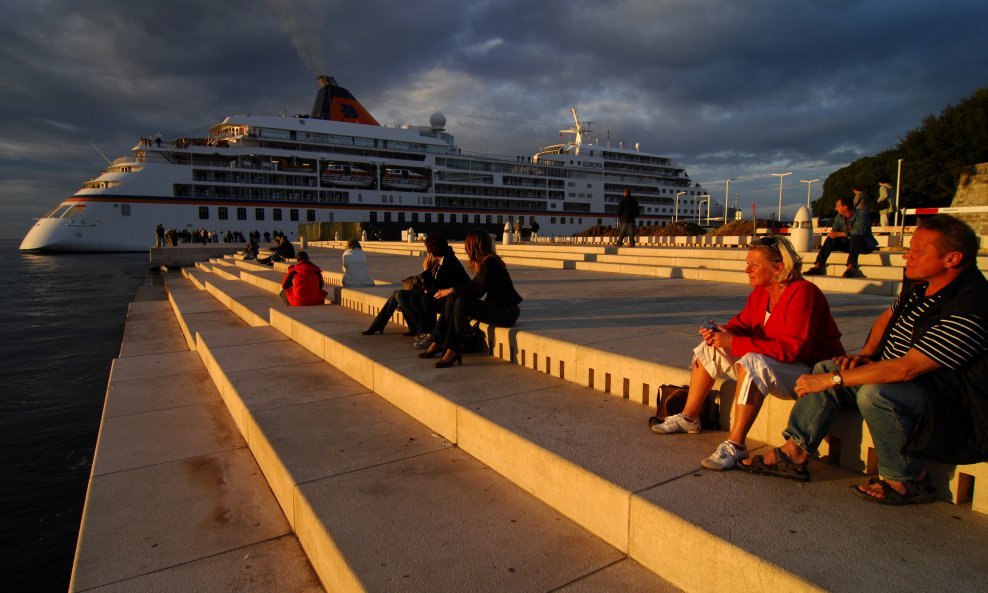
<point>784,467</point>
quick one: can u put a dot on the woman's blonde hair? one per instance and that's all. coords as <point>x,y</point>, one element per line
<point>778,249</point>
<point>479,247</point>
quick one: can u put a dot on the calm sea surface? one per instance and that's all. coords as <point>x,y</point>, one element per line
<point>61,322</point>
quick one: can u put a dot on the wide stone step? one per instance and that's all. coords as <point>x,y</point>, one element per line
<point>592,458</point>
<point>379,501</point>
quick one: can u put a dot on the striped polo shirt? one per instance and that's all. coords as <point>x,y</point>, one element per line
<point>951,342</point>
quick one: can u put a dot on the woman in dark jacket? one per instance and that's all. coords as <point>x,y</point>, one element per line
<point>499,307</point>
<point>441,270</point>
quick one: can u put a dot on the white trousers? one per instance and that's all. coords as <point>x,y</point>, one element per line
<point>767,374</point>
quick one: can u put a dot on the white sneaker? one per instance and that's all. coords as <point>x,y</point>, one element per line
<point>677,423</point>
<point>726,456</point>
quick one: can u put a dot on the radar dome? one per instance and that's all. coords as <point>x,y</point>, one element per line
<point>437,121</point>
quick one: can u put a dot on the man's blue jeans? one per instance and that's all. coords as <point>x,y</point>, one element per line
<point>890,410</point>
<point>627,229</point>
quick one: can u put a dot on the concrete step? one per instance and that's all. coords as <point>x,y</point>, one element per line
<point>175,501</point>
<point>592,458</point>
<point>386,503</point>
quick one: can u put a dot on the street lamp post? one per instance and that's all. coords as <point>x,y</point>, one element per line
<point>898,186</point>
<point>809,183</point>
<point>727,193</point>
<point>707,200</point>
<point>780,176</point>
<point>679,193</point>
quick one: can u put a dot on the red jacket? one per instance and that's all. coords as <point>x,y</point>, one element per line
<point>801,328</point>
<point>303,284</point>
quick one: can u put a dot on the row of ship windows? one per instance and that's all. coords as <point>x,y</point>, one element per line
<point>223,213</point>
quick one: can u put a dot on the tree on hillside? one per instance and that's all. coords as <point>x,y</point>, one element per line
<point>935,154</point>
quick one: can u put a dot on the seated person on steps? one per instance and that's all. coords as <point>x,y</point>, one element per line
<point>355,270</point>
<point>303,283</point>
<point>283,249</point>
<point>441,269</point>
<point>499,307</point>
<point>785,326</point>
<point>919,380</point>
<point>850,232</point>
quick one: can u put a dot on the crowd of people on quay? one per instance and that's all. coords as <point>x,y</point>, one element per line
<point>172,237</point>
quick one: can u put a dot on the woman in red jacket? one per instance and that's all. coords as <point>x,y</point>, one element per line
<point>784,329</point>
<point>302,284</point>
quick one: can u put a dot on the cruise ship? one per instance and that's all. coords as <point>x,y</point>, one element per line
<point>255,172</point>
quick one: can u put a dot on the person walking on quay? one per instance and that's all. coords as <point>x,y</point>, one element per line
<point>919,380</point>
<point>159,236</point>
<point>535,230</point>
<point>627,213</point>
<point>851,233</point>
<point>884,204</point>
<point>303,284</point>
<point>785,327</point>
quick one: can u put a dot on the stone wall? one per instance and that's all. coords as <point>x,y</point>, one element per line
<point>972,190</point>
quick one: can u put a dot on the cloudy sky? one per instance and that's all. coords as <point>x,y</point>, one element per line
<point>729,88</point>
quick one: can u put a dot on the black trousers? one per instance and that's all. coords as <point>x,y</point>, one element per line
<point>853,246</point>
<point>415,306</point>
<point>456,316</point>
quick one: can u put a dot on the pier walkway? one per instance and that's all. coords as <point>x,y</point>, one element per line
<point>534,469</point>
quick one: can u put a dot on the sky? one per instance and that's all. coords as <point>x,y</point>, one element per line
<point>727,88</point>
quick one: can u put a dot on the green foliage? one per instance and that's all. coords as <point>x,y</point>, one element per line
<point>934,156</point>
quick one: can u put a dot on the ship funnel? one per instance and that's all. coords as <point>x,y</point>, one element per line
<point>335,103</point>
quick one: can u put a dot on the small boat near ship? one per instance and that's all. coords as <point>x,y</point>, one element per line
<point>338,164</point>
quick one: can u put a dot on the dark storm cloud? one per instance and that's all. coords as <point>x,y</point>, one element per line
<point>739,89</point>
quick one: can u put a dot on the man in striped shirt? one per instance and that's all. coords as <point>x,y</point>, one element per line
<point>919,381</point>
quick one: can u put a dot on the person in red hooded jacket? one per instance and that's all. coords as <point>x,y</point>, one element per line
<point>303,283</point>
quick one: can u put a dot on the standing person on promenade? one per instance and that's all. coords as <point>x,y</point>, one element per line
<point>535,230</point>
<point>919,380</point>
<point>627,213</point>
<point>860,199</point>
<point>518,230</point>
<point>499,307</point>
<point>884,204</point>
<point>785,326</point>
<point>441,269</point>
<point>850,232</point>
<point>159,236</point>
<point>303,284</point>
<point>355,269</point>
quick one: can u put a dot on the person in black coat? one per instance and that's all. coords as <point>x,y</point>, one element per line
<point>627,213</point>
<point>441,269</point>
<point>463,302</point>
<point>283,250</point>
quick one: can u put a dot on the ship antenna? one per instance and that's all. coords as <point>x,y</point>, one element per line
<point>108,161</point>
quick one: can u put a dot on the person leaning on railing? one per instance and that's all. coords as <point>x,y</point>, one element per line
<point>785,326</point>
<point>463,302</point>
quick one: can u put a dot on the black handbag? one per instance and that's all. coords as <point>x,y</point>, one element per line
<point>475,340</point>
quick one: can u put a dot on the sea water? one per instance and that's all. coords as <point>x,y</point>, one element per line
<point>61,323</point>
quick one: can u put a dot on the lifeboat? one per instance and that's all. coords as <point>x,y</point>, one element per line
<point>404,179</point>
<point>346,175</point>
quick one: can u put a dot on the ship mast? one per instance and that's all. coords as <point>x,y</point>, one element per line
<point>578,129</point>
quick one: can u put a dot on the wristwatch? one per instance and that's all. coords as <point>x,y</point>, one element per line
<point>837,379</point>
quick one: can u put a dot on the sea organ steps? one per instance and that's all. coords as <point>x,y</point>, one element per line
<point>639,492</point>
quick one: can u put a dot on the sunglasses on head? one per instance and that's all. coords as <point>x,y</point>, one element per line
<point>766,241</point>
